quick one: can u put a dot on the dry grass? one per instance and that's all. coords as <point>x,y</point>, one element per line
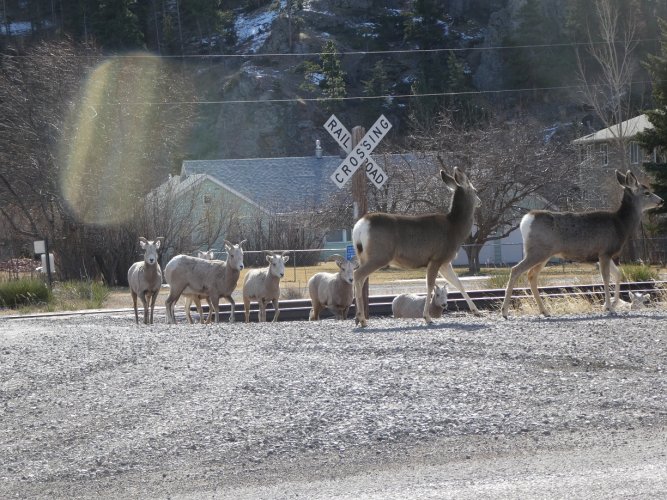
<point>294,285</point>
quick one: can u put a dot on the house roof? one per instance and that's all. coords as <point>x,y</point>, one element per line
<point>282,184</point>
<point>628,128</point>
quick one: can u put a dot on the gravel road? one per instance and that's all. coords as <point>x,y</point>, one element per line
<point>573,406</point>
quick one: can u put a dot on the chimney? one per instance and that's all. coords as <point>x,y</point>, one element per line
<point>318,149</point>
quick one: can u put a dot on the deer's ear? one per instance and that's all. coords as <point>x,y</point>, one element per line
<point>620,177</point>
<point>631,180</point>
<point>449,181</point>
<point>460,177</point>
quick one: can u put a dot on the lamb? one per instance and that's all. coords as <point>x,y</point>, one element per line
<point>191,297</point>
<point>145,278</point>
<point>581,237</point>
<point>263,286</point>
<point>333,290</point>
<point>210,278</point>
<point>639,300</point>
<point>412,305</point>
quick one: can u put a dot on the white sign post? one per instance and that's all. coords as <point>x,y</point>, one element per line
<point>360,153</point>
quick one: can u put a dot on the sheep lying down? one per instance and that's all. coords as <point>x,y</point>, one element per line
<point>410,305</point>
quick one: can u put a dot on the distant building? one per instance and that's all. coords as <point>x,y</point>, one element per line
<point>604,151</point>
<point>287,185</point>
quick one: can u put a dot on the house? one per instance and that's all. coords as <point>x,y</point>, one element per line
<point>602,152</point>
<point>278,186</point>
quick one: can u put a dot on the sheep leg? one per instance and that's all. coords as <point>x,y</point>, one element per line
<point>450,275</point>
<point>170,303</point>
<point>134,301</point>
<point>533,274</point>
<point>246,308</point>
<point>262,310</point>
<point>315,311</point>
<point>142,296</point>
<point>276,311</point>
<point>232,307</point>
<point>153,299</point>
<point>215,303</point>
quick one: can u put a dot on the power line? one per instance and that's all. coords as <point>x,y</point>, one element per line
<point>356,98</point>
<point>352,52</point>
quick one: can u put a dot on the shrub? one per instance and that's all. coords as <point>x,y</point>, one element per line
<point>639,272</point>
<point>498,278</point>
<point>91,293</point>
<point>25,291</point>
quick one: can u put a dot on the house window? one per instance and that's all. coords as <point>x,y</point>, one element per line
<point>336,236</point>
<point>604,154</point>
<point>635,153</point>
<point>207,199</point>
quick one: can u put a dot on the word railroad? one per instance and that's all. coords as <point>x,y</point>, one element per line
<point>361,153</point>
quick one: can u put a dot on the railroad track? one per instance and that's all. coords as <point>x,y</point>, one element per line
<point>380,305</point>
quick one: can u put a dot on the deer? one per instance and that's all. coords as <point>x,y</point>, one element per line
<point>415,241</point>
<point>582,237</point>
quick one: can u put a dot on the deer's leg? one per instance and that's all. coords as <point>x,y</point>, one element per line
<point>361,274</point>
<point>617,275</point>
<point>450,275</point>
<point>515,274</point>
<point>431,274</point>
<point>533,274</point>
<point>604,271</point>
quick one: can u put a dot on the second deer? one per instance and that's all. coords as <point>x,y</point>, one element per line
<point>582,237</point>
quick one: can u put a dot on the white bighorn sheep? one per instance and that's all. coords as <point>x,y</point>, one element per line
<point>411,305</point>
<point>582,237</point>
<point>191,297</point>
<point>210,278</point>
<point>263,286</point>
<point>145,278</point>
<point>333,290</point>
<point>413,241</point>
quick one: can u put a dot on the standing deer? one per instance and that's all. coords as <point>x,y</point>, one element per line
<point>413,241</point>
<point>582,237</point>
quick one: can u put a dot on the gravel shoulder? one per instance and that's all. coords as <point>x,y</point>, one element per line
<point>573,406</point>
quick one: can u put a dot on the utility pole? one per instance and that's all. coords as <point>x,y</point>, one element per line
<point>360,197</point>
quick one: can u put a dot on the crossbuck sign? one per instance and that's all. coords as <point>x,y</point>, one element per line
<point>360,153</point>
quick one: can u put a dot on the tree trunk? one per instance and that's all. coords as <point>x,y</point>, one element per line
<point>472,251</point>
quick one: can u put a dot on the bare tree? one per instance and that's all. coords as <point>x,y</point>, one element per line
<point>606,75</point>
<point>514,166</point>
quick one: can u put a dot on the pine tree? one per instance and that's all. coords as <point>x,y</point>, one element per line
<point>116,25</point>
<point>656,138</point>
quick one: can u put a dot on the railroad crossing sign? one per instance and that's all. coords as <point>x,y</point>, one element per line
<point>359,154</point>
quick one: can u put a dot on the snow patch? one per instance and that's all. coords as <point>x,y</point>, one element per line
<point>254,29</point>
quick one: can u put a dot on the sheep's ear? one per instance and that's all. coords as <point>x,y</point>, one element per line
<point>228,245</point>
<point>355,262</point>
<point>242,242</point>
<point>268,258</point>
<point>143,242</point>
<point>158,241</point>
<point>285,258</point>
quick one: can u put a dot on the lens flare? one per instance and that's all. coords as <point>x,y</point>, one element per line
<point>109,150</point>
